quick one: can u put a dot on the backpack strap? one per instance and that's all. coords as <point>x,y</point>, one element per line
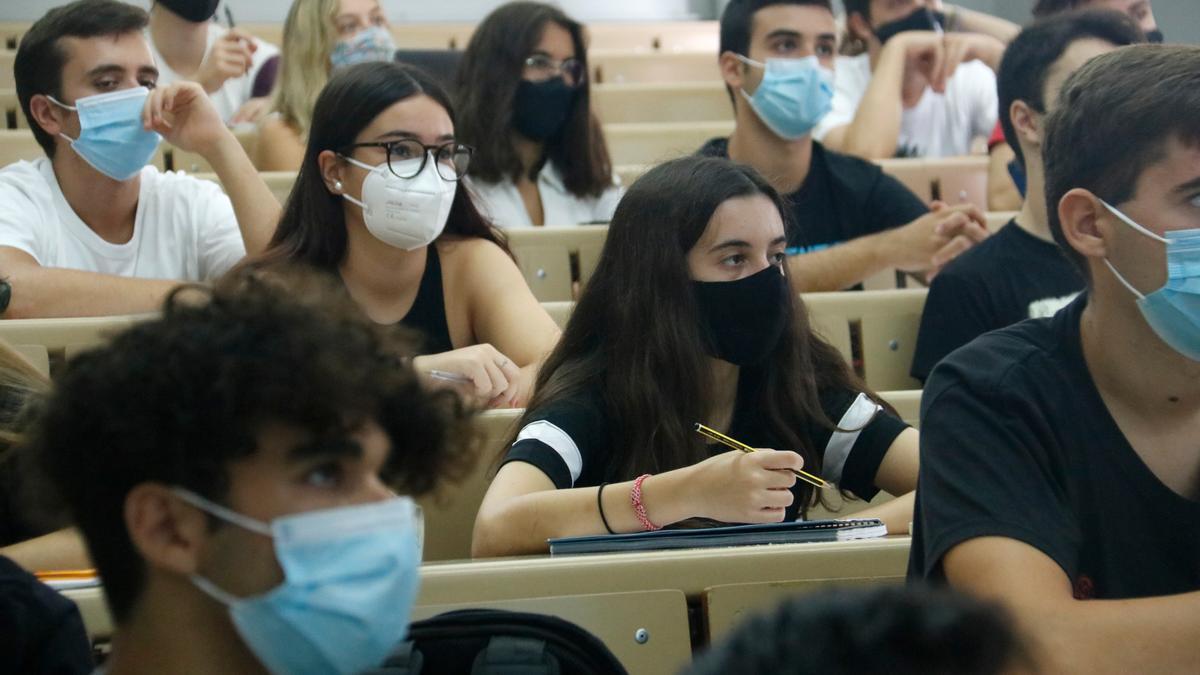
<point>405,659</point>
<point>506,655</point>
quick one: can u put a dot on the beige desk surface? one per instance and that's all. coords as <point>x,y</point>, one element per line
<point>690,571</point>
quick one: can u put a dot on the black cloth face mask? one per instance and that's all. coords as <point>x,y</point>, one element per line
<point>196,11</point>
<point>921,19</point>
<point>742,320</point>
<point>540,109</point>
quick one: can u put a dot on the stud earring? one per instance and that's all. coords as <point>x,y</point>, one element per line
<point>337,185</point>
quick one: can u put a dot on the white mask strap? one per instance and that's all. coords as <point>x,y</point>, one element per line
<point>751,62</point>
<point>1139,294</point>
<point>1130,222</point>
<point>60,103</point>
<point>228,515</point>
<point>211,590</point>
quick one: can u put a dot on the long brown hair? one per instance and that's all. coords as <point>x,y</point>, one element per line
<point>635,334</point>
<point>492,68</point>
<point>313,227</point>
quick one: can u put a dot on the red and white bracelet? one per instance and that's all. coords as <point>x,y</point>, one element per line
<point>639,509</point>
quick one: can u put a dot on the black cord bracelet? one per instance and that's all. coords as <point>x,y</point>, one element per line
<point>600,505</point>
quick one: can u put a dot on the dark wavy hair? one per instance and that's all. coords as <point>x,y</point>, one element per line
<point>313,227</point>
<point>176,400</point>
<point>492,68</point>
<point>890,630</point>
<point>636,333</point>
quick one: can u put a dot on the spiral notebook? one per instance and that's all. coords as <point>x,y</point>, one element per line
<point>802,531</point>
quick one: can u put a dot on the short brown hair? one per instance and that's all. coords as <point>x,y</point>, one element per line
<point>1114,119</point>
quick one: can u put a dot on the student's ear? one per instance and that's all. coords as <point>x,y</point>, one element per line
<point>1080,213</point>
<point>859,27</point>
<point>733,71</point>
<point>46,114</point>
<point>1027,122</point>
<point>332,168</point>
<point>166,531</point>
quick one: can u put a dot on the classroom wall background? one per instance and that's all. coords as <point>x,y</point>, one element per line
<point>1179,19</point>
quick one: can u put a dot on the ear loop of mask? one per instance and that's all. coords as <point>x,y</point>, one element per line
<point>366,167</point>
<point>228,515</point>
<point>1141,230</point>
<point>63,105</point>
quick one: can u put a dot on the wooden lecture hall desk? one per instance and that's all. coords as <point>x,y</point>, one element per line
<point>642,605</point>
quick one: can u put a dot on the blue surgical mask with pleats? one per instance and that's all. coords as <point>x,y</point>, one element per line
<point>1172,311</point>
<point>368,45</point>
<point>794,95</point>
<point>111,136</point>
<point>350,581</point>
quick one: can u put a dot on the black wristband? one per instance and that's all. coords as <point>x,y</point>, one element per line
<point>600,505</point>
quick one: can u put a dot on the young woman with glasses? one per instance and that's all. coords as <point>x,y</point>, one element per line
<point>378,202</point>
<point>524,103</point>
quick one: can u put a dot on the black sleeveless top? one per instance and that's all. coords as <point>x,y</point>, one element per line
<point>428,313</point>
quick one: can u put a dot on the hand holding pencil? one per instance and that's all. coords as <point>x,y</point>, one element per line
<point>741,487</point>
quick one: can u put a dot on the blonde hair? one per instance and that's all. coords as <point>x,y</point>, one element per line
<point>22,387</point>
<point>309,36</point>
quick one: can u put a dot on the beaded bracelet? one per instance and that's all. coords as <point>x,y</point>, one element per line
<point>639,509</point>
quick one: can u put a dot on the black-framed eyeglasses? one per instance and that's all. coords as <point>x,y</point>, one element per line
<point>406,157</point>
<point>540,68</point>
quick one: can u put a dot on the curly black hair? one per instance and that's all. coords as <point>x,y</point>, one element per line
<point>892,630</point>
<point>179,398</point>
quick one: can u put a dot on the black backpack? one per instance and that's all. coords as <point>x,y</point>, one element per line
<point>496,642</point>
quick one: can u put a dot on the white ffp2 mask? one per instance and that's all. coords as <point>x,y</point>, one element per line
<point>407,213</point>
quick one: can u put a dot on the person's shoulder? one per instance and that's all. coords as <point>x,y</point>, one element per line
<point>715,147</point>
<point>846,164</point>
<point>1013,360</point>
<point>178,185</point>
<point>577,412</point>
<point>983,260</point>
<point>25,181</point>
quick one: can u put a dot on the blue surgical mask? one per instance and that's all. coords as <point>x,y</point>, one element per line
<point>111,136</point>
<point>350,581</point>
<point>793,96</point>
<point>1172,311</point>
<point>371,44</point>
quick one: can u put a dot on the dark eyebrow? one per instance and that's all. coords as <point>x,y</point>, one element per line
<point>337,447</point>
<point>779,240</point>
<point>827,36</point>
<point>732,243</point>
<point>106,69</point>
<point>1190,186</point>
<point>397,134</point>
<point>148,70</point>
<point>784,32</point>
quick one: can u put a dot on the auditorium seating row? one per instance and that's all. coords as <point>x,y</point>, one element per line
<point>644,606</point>
<point>645,36</point>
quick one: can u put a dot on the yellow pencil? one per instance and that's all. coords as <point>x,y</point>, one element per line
<point>713,434</point>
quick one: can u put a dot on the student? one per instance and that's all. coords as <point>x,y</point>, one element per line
<point>319,37</point>
<point>228,63</point>
<point>917,92</point>
<point>1005,177</point>
<point>90,229</point>
<point>1019,273</point>
<point>851,220</point>
<point>1058,459</point>
<point>691,317</point>
<point>242,510</point>
<point>885,630</point>
<point>378,204</point>
<point>525,103</point>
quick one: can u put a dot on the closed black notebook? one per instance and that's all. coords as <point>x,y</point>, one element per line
<point>737,535</point>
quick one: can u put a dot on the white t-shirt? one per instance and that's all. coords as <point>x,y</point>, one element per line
<point>501,202</point>
<point>184,228</point>
<point>940,125</point>
<point>236,90</point>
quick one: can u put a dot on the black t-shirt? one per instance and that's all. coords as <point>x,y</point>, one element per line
<point>1016,442</point>
<point>570,442</point>
<point>41,632</point>
<point>1010,277</point>
<point>843,198</point>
